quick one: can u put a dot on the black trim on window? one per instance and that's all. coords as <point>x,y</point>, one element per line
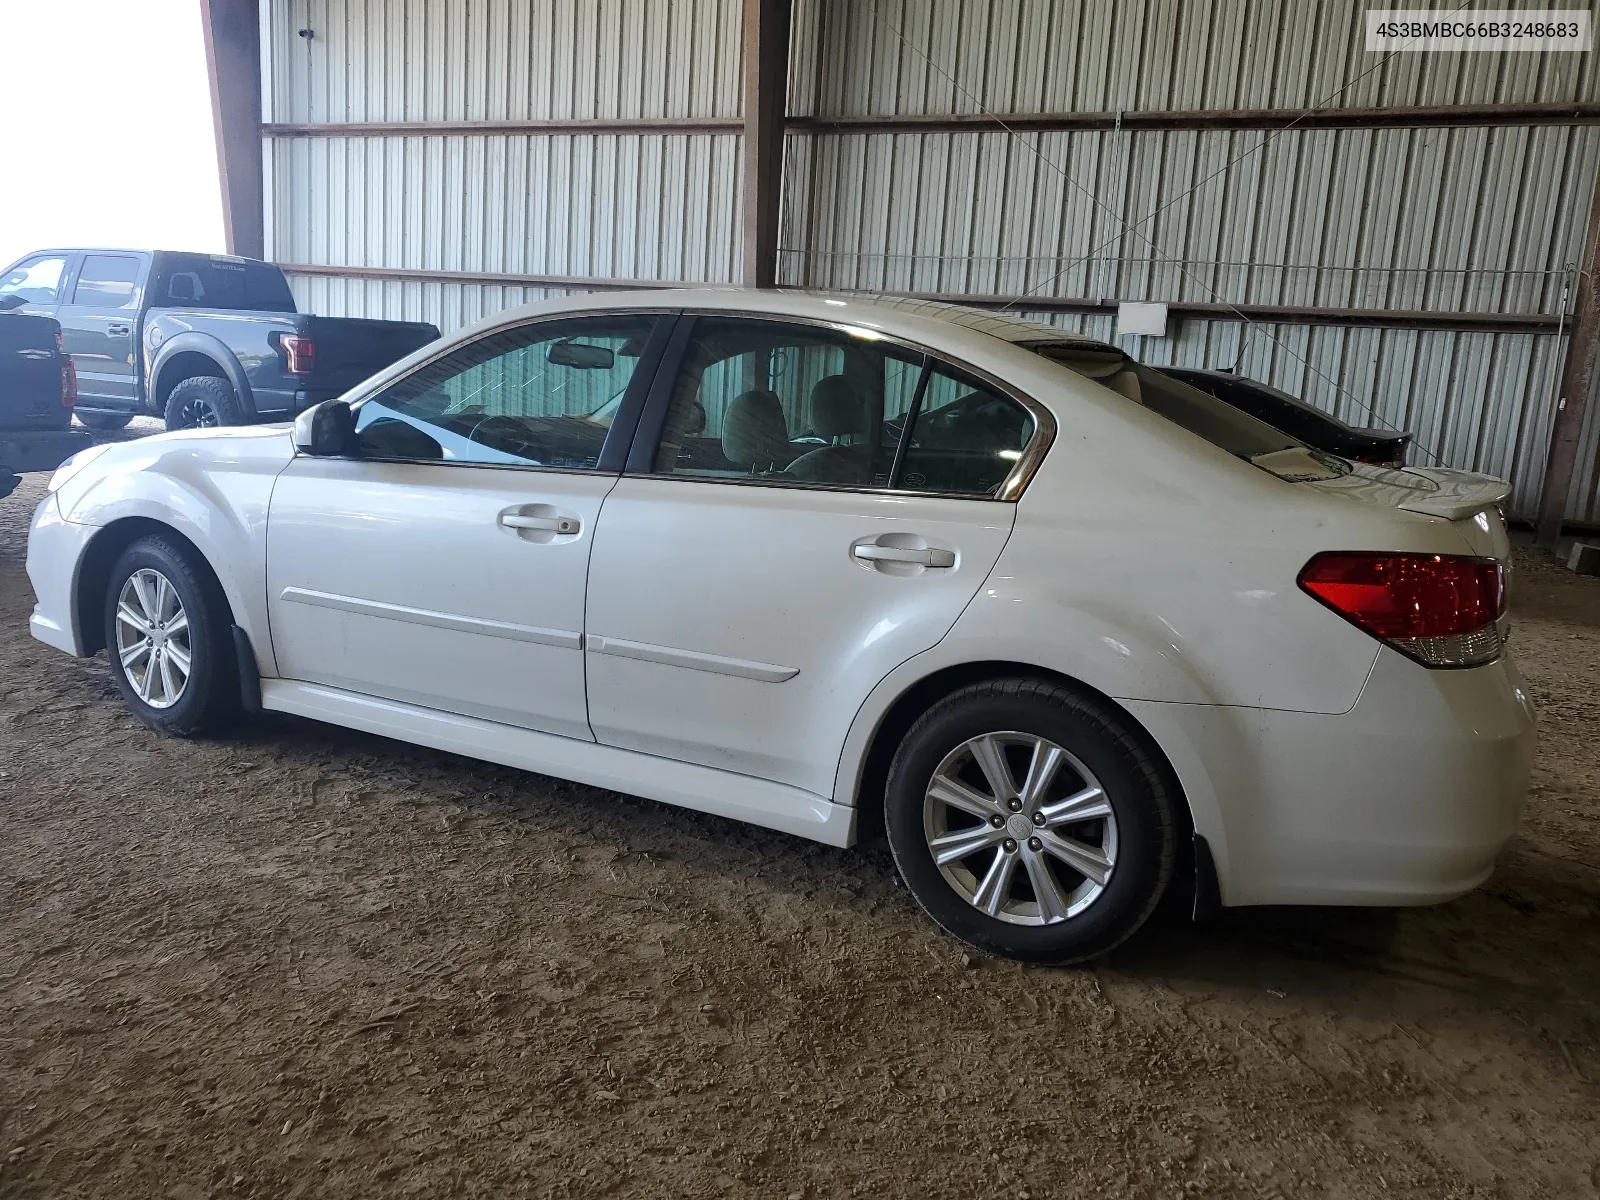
<point>641,456</point>
<point>910,425</point>
<point>620,437</point>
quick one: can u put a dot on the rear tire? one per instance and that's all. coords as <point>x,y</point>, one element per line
<point>169,636</point>
<point>203,402</point>
<point>1017,784</point>
<point>106,422</point>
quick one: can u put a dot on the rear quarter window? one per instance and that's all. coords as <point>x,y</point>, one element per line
<point>202,281</point>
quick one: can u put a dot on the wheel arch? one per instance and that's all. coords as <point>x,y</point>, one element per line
<point>864,776</point>
<point>94,572</point>
<point>191,355</point>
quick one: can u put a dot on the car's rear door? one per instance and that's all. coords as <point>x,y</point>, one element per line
<point>99,325</point>
<point>755,574</point>
<point>445,564</point>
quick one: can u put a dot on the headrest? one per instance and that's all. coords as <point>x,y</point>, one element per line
<point>837,407</point>
<point>754,433</point>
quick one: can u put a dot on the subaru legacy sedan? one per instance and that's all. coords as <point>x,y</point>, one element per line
<point>1064,630</point>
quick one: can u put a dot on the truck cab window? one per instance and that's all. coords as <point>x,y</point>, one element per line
<point>34,280</point>
<point>107,281</point>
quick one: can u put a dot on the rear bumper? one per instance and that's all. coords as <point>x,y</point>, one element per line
<point>1406,799</point>
<point>42,451</point>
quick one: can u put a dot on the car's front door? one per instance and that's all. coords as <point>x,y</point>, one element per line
<point>444,564</point>
<point>776,551</point>
<point>99,322</point>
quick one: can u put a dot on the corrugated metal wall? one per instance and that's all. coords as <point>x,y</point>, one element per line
<point>1452,219</point>
<point>649,206</point>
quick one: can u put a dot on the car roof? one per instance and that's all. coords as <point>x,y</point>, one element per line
<point>903,316</point>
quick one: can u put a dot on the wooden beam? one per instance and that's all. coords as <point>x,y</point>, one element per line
<point>1408,117</point>
<point>643,125</point>
<point>1577,380</point>
<point>766,91</point>
<point>233,64</point>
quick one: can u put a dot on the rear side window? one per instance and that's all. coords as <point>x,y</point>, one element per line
<point>201,281</point>
<point>759,401</point>
<point>107,281</point>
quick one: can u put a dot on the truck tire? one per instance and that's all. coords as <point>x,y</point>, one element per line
<point>202,402</point>
<point>106,422</point>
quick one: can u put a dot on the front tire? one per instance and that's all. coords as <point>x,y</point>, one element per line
<point>203,402</point>
<point>1031,821</point>
<point>169,638</point>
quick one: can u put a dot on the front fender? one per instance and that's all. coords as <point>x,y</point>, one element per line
<point>223,513</point>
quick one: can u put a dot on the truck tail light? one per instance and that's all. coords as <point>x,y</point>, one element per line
<point>69,375</point>
<point>299,353</point>
<point>1443,610</point>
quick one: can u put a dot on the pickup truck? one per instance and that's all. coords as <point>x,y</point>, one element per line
<point>37,390</point>
<point>199,339</point>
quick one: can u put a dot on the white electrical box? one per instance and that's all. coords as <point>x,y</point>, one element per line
<point>1135,316</point>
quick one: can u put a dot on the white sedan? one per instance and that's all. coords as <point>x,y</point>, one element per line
<point>1064,629</point>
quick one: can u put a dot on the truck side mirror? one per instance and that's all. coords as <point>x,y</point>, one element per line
<point>327,430</point>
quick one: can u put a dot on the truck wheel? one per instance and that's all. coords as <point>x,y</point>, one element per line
<point>202,402</point>
<point>105,421</point>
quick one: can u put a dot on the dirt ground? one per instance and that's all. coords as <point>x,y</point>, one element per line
<point>302,961</point>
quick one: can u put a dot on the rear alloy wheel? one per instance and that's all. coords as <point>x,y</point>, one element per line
<point>202,402</point>
<point>170,639</point>
<point>1030,821</point>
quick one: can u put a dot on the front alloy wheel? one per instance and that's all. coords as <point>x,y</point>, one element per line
<point>169,635</point>
<point>153,638</point>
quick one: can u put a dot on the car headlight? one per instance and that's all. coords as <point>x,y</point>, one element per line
<point>76,463</point>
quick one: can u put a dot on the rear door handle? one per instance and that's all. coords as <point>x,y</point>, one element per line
<point>553,524</point>
<point>118,330</point>
<point>930,557</point>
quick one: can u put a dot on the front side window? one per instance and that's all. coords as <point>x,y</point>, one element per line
<point>107,281</point>
<point>539,395</point>
<point>35,281</point>
<point>769,402</point>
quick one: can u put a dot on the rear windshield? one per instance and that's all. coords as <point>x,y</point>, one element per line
<point>1215,420</point>
<point>206,281</point>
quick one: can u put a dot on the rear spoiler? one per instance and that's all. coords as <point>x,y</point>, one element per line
<point>1460,494</point>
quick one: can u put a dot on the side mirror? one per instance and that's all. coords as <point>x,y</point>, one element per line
<point>327,430</point>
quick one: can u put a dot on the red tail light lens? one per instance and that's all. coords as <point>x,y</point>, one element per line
<point>69,375</point>
<point>299,353</point>
<point>1440,609</point>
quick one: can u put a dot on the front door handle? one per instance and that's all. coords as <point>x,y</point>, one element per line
<point>930,557</point>
<point>118,330</point>
<point>552,524</point>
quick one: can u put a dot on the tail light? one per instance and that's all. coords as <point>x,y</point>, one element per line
<point>1442,610</point>
<point>69,375</point>
<point>299,353</point>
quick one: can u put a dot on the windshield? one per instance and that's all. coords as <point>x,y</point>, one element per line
<point>1200,413</point>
